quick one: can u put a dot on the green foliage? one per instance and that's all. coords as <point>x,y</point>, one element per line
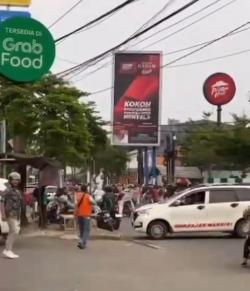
<point>208,146</point>
<point>113,159</point>
<point>50,118</point>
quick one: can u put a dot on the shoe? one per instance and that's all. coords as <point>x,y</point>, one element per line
<point>244,264</point>
<point>80,246</point>
<point>10,254</point>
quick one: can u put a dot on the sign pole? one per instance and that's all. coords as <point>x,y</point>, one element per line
<point>154,166</point>
<point>219,109</point>
<point>146,166</point>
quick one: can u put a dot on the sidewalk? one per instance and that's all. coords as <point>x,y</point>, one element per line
<point>54,231</point>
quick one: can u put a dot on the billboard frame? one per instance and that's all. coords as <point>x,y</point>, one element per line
<point>160,53</point>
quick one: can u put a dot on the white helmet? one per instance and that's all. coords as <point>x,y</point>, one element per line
<point>14,176</point>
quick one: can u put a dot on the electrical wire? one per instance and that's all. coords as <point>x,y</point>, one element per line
<point>181,29</point>
<point>188,54</point>
<point>212,59</point>
<point>165,54</point>
<point>65,14</point>
<point>115,9</point>
<point>189,25</point>
<point>170,2</point>
<point>78,67</point>
<point>206,45</point>
<point>155,16</point>
<point>176,23</point>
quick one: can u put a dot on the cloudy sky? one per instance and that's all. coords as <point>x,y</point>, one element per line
<point>182,96</point>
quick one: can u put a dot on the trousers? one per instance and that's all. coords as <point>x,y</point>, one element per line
<point>84,229</point>
<point>14,228</point>
<point>246,250</point>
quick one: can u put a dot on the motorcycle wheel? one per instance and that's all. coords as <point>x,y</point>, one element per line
<point>116,223</point>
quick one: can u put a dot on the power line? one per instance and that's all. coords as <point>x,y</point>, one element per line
<point>65,14</point>
<point>190,24</point>
<point>165,6</point>
<point>117,8</point>
<point>165,54</point>
<point>212,59</point>
<point>177,22</point>
<point>78,67</point>
<point>206,45</point>
<point>190,53</point>
<point>170,2</point>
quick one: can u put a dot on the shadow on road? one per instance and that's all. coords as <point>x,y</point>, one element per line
<point>188,237</point>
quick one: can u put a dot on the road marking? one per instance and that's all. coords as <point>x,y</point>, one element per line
<point>145,244</point>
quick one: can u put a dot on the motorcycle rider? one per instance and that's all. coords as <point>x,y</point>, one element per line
<point>246,249</point>
<point>108,200</point>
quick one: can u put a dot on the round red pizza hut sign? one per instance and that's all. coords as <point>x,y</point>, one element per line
<point>219,89</point>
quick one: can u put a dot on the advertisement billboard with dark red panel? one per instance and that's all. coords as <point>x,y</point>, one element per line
<point>136,99</point>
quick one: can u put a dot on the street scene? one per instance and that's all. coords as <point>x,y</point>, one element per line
<point>124,145</point>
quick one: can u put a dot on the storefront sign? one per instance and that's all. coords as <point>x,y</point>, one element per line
<point>27,49</point>
<point>219,89</point>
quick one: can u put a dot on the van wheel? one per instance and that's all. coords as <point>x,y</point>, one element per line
<point>241,229</point>
<point>157,230</point>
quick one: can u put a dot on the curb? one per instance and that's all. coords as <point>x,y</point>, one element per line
<point>72,236</point>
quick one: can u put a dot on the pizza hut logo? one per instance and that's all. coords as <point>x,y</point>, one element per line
<point>219,89</point>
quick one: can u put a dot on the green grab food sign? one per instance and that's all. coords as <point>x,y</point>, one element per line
<point>27,49</point>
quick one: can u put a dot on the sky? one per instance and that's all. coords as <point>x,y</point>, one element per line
<point>182,96</point>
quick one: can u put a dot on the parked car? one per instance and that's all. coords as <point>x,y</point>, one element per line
<point>205,208</point>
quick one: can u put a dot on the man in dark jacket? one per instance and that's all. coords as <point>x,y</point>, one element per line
<point>108,200</point>
<point>10,205</point>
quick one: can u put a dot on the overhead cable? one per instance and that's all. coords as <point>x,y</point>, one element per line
<point>78,67</point>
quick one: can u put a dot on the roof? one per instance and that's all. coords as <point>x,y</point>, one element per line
<point>38,162</point>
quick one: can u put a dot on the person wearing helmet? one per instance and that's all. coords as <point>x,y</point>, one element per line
<point>10,205</point>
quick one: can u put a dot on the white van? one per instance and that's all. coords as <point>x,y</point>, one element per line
<point>4,229</point>
<point>217,208</point>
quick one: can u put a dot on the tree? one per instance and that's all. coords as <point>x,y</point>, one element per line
<point>227,147</point>
<point>234,145</point>
<point>111,158</point>
<point>50,119</point>
<point>199,146</point>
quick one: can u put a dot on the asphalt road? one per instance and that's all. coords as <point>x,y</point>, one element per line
<point>179,263</point>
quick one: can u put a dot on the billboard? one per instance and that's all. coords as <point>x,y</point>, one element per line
<point>15,2</point>
<point>136,99</point>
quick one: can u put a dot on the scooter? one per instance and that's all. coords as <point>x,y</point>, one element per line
<point>108,221</point>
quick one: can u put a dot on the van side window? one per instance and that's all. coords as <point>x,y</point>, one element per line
<point>243,194</point>
<point>222,196</point>
<point>194,198</point>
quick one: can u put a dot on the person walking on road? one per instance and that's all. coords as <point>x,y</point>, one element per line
<point>246,249</point>
<point>10,204</point>
<point>83,212</point>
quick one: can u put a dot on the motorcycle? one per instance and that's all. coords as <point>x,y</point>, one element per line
<point>108,220</point>
<point>57,206</point>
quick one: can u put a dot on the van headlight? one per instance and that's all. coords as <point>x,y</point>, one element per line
<point>144,211</point>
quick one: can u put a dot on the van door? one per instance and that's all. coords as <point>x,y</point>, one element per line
<point>222,210</point>
<point>190,215</point>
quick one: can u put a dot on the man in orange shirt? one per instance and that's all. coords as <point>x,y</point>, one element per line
<point>83,213</point>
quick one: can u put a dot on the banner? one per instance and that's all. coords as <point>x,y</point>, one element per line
<point>136,99</point>
<point>15,2</point>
